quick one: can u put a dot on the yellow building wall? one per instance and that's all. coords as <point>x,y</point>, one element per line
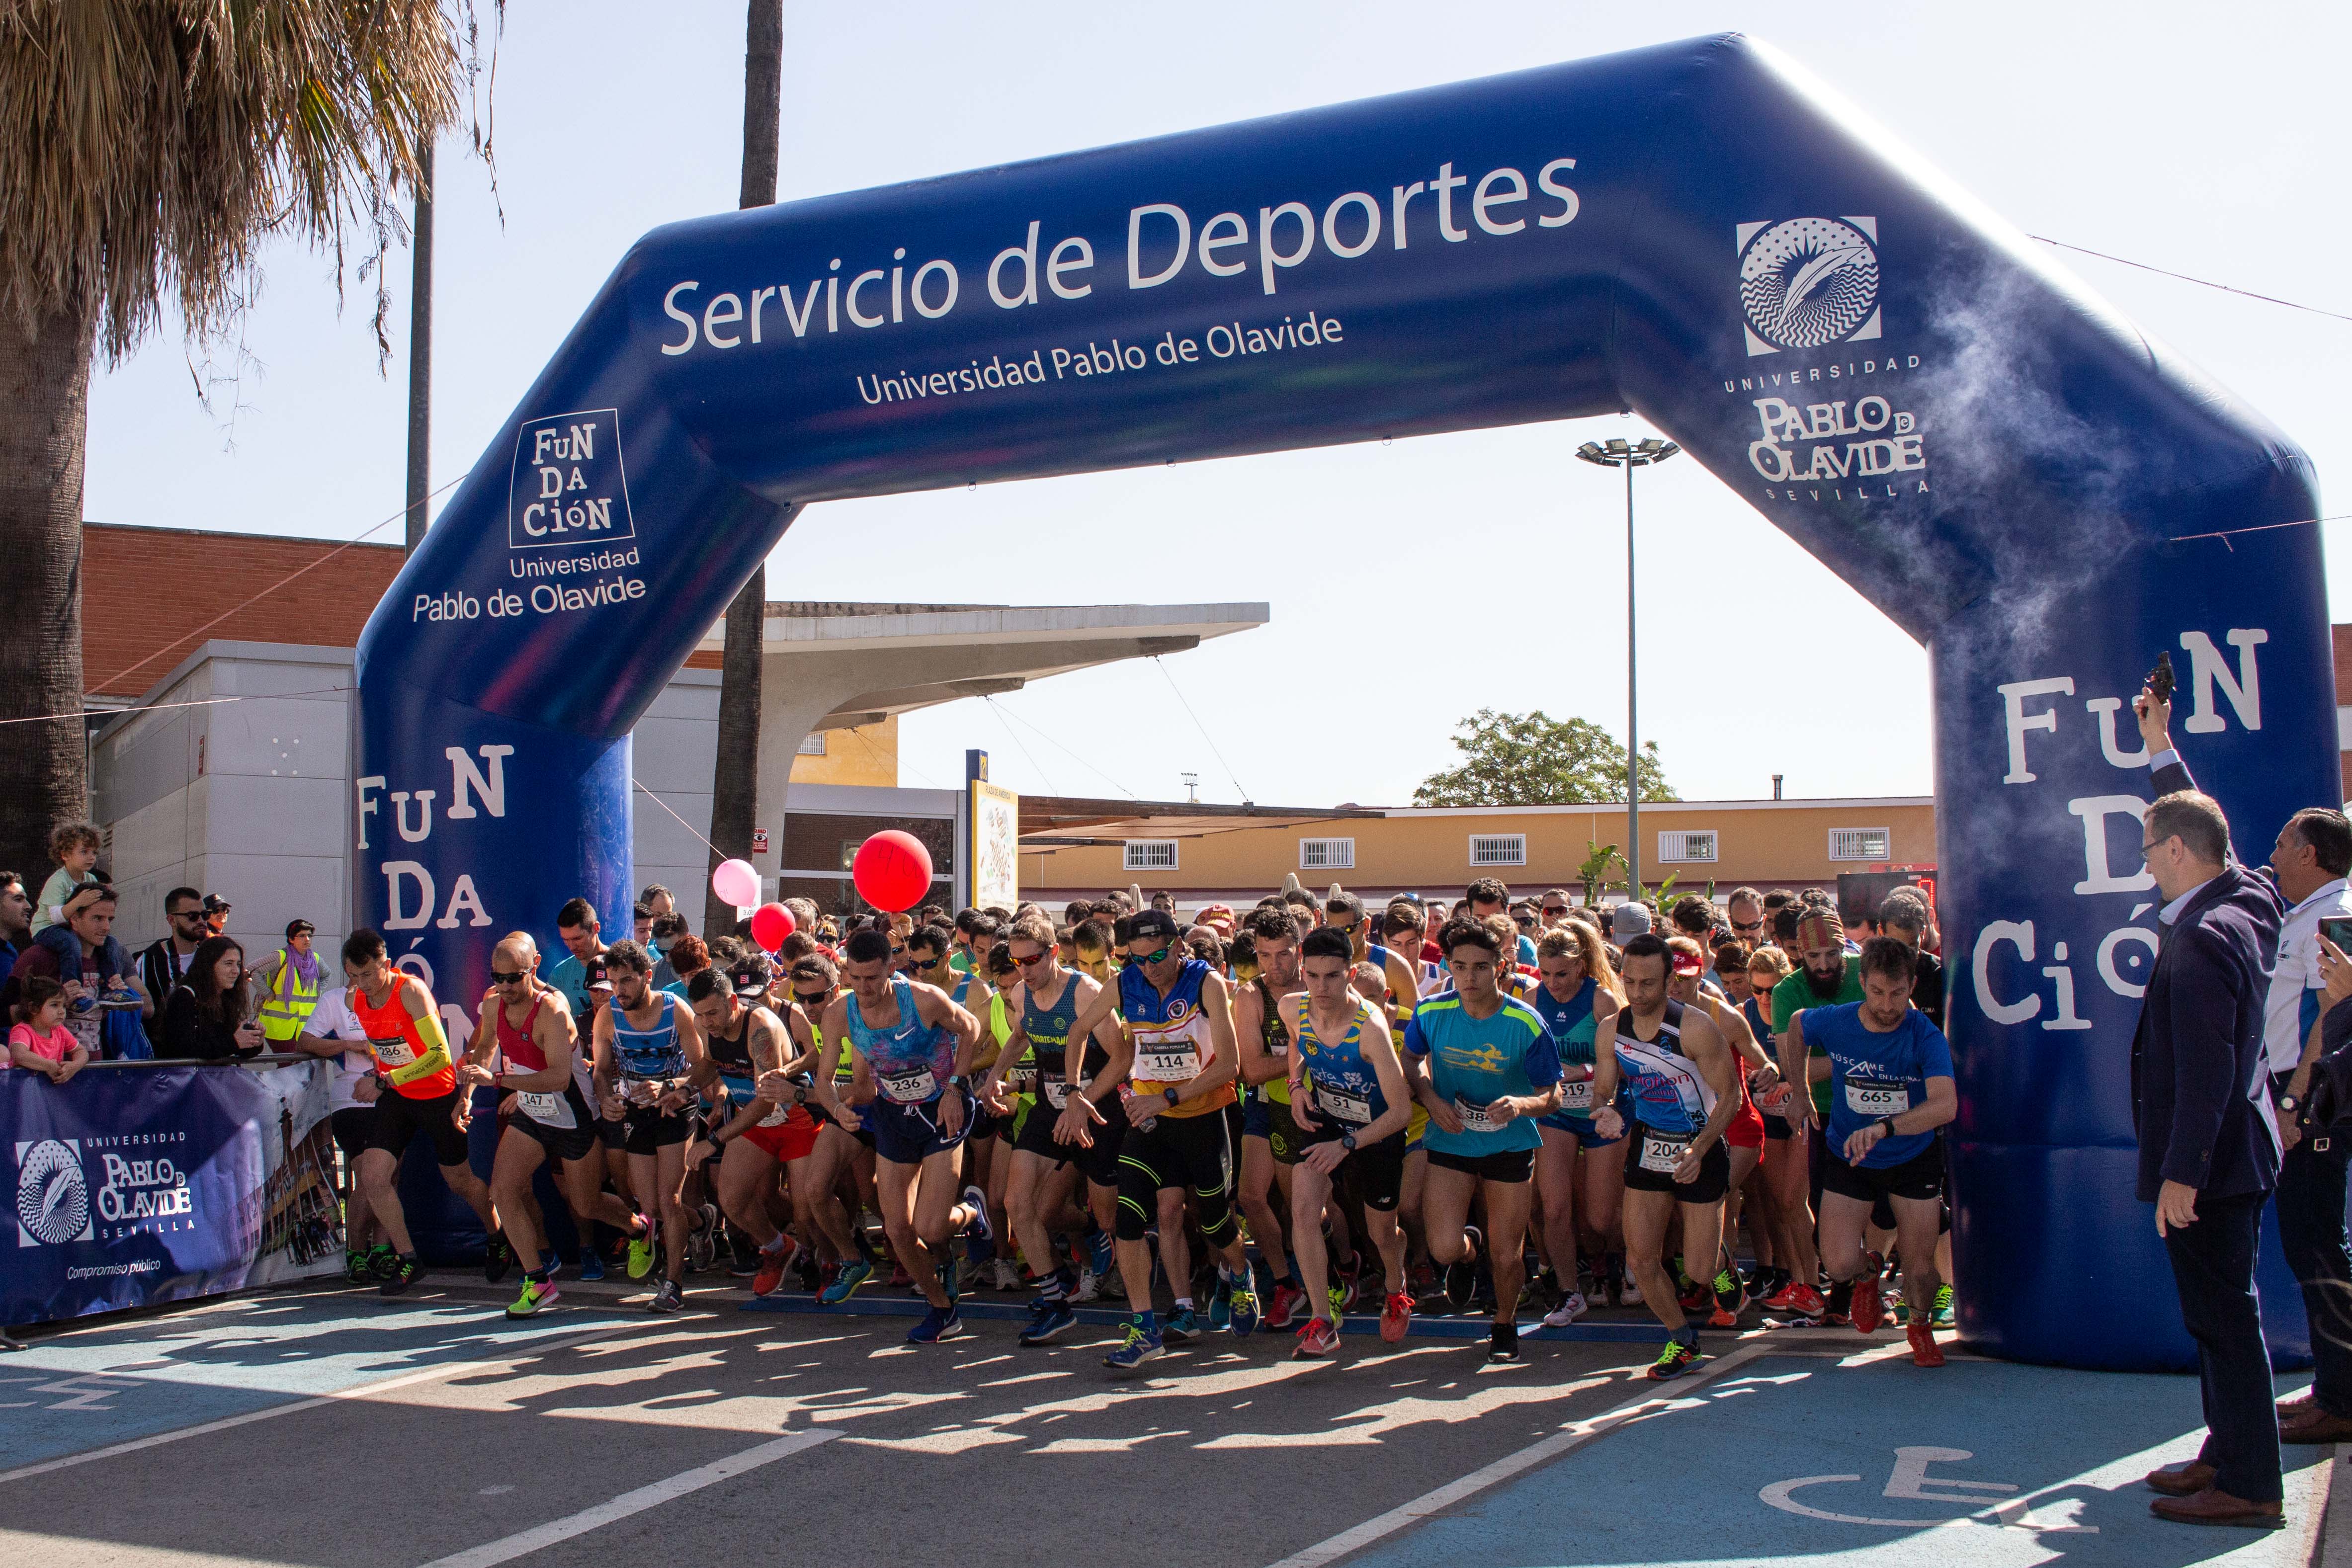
<point>868,755</point>
<point>1759,842</point>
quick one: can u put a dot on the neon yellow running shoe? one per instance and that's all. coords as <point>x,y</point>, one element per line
<point>537,1297</point>
<point>641,1253</point>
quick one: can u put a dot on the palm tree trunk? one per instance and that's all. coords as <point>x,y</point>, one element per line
<point>735,770</point>
<point>44,773</point>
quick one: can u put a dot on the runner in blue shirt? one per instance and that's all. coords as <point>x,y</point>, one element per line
<point>1485,1067</point>
<point>1567,999</point>
<point>1890,1089</point>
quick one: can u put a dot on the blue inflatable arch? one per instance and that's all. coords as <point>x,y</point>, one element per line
<point>1698,233</point>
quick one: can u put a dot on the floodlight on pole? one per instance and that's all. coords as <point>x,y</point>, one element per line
<point>1618,453</point>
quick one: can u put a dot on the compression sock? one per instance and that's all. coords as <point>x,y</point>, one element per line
<point>1183,1303</point>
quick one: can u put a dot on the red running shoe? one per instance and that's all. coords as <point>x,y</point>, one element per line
<point>772,1264</point>
<point>1396,1317</point>
<point>1282,1309</point>
<point>1925,1351</point>
<point>1316,1340</point>
<point>1869,1306</point>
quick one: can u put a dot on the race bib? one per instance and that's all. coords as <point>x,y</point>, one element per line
<point>1180,1065</point>
<point>1057,1093</point>
<point>393,1052</point>
<point>1355,1109</point>
<point>548,1110</point>
<point>1022,1078</point>
<point>1662,1154</point>
<point>1474,1118</point>
<point>1873,1099</point>
<point>909,1088</point>
<point>1576,1096</point>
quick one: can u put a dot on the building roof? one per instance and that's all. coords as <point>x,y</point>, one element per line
<point>153,596</point>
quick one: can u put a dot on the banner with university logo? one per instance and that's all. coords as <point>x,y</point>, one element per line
<point>138,1186</point>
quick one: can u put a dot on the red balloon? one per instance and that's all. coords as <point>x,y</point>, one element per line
<point>770,923</point>
<point>892,870</point>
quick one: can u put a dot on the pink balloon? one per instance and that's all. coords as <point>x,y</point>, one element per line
<point>770,923</point>
<point>892,870</point>
<point>736,883</point>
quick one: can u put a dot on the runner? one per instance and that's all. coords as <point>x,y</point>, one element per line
<point>1566,1000</point>
<point>928,948</point>
<point>1790,1288</point>
<point>331,1032</point>
<point>764,1069</point>
<point>911,1047</point>
<point>1753,1072</point>
<point>1891,1090</point>
<point>417,1094</point>
<point>841,1171</point>
<point>1484,1066</point>
<point>1348,1105</point>
<point>1061,1126</point>
<point>1179,1024</point>
<point>649,1054</point>
<point>525,1047</point>
<point>1825,977</point>
<point>1270,1141</point>
<point>1684,1088</point>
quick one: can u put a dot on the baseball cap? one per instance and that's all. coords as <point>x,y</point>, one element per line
<point>1687,963</point>
<point>215,905</point>
<point>1147,927</point>
<point>1629,920</point>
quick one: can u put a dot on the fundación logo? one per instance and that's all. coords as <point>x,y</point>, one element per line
<point>1808,282</point>
<point>52,1199</point>
<point>568,485</point>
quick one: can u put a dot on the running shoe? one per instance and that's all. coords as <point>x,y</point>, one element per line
<point>1629,1292</point>
<point>1047,1319</point>
<point>899,1279</point>
<point>668,1298</point>
<point>774,1262</point>
<point>1503,1343</point>
<point>1282,1311</point>
<point>1572,1307</point>
<point>592,1263</point>
<point>1693,1297</point>
<point>743,1257</point>
<point>938,1323</point>
<point>1221,1306</point>
<point>381,1262</point>
<point>852,1272</point>
<point>1100,1254</point>
<point>702,1241</point>
<point>1316,1340</point>
<point>1007,1277</point>
<point>1925,1351</point>
<point>949,1281</point>
<point>355,1267</point>
<point>405,1274</point>
<point>1675,1360</point>
<point>1943,1317</point>
<point>1241,1305</point>
<point>641,1250</point>
<point>1462,1274</point>
<point>1587,1283</point>
<point>979,1236</point>
<point>549,1263</point>
<point>1396,1318</point>
<point>496,1257</point>
<point>1868,1306</point>
<point>1791,1297</point>
<point>1090,1285</point>
<point>1142,1344</point>
<point>537,1297</point>
<point>1182,1325</point>
<point>1348,1289</point>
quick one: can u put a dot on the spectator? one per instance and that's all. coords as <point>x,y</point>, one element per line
<point>15,921</point>
<point>74,846</point>
<point>42,1043</point>
<point>164,962</point>
<point>291,983</point>
<point>658,899</point>
<point>216,910</point>
<point>580,974</point>
<point>641,928</point>
<point>204,1018</point>
<point>687,957</point>
<point>104,1001</point>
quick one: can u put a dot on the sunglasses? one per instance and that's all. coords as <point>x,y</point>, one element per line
<point>1031,961</point>
<point>1158,958</point>
<point>1555,909</point>
<point>1751,928</point>
<point>1525,921</point>
<point>809,998</point>
<point>506,978</point>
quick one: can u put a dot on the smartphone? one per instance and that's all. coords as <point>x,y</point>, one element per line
<point>2159,679</point>
<point>2338,932</point>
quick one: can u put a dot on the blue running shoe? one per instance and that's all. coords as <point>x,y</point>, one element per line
<point>979,1236</point>
<point>548,1261</point>
<point>938,1323</point>
<point>1221,1306</point>
<point>1047,1319</point>
<point>852,1272</point>
<point>1142,1344</point>
<point>1182,1325</point>
<point>1100,1253</point>
<point>1241,1304</point>
<point>592,1263</point>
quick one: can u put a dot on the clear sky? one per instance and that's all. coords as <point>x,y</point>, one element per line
<point>2149,131</point>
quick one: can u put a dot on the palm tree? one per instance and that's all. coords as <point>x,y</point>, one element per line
<point>735,768</point>
<point>149,148</point>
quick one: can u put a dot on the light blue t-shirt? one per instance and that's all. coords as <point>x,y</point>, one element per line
<point>1473,1062</point>
<point>1873,1075</point>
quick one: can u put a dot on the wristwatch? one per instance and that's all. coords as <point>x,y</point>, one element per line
<point>1886,1127</point>
<point>1348,1142</point>
<point>2289,1104</point>
<point>1170,1095</point>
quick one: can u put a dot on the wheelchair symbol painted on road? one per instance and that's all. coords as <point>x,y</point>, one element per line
<point>1909,1480</point>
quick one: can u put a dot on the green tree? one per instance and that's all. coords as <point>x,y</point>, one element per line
<point>1534,760</point>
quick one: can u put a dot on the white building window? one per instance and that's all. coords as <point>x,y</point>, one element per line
<point>1861,844</point>
<point>1690,845</point>
<point>1326,855</point>
<point>1498,849</point>
<point>812,744</point>
<point>1151,854</point>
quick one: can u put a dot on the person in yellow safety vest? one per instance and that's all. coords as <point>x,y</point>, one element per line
<point>292,980</point>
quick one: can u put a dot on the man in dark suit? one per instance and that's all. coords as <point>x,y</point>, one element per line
<point>2208,1150</point>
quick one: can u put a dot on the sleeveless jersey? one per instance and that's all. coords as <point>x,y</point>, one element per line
<point>649,1052</point>
<point>912,1060</point>
<point>1171,1038</point>
<point>1275,1039</point>
<point>1572,1026</point>
<point>1670,1095</point>
<point>416,1069</point>
<point>565,1107</point>
<point>1046,1070</point>
<point>737,1071</point>
<point>1346,1089</point>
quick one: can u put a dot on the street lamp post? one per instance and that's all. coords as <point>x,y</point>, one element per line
<point>1618,453</point>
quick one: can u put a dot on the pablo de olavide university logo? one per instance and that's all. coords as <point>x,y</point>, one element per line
<point>1805,283</point>
<point>52,1199</point>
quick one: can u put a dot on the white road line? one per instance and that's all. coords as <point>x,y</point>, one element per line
<point>359,1391</point>
<point>1552,1448</point>
<point>637,1502</point>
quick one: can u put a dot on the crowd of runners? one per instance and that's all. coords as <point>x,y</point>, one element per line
<point>1279,1115</point>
